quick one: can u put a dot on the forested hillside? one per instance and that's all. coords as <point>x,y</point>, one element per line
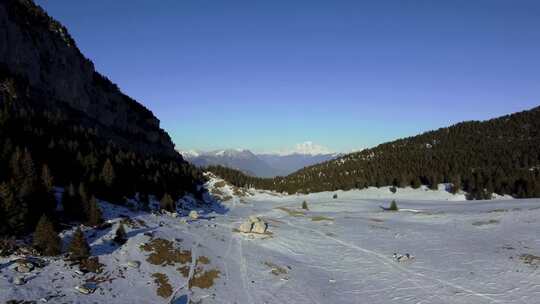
<point>501,156</point>
<point>63,126</point>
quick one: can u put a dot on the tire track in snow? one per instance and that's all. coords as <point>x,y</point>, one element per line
<point>387,262</point>
<point>243,272</point>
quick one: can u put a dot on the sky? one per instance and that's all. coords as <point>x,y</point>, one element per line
<point>339,75</point>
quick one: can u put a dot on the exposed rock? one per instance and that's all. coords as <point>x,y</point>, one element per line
<point>254,224</point>
<point>259,227</point>
<point>246,227</point>
<point>24,268</point>
<point>19,280</point>
<point>134,264</point>
<point>38,49</point>
<point>86,288</point>
<point>193,214</point>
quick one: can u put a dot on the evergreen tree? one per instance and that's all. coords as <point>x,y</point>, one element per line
<point>107,173</point>
<point>79,248</point>
<point>304,205</point>
<point>94,216</point>
<point>47,179</point>
<point>120,236</point>
<point>15,211</point>
<point>167,203</point>
<point>46,239</point>
<point>393,206</point>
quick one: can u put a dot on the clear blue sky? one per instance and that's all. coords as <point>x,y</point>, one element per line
<point>266,75</point>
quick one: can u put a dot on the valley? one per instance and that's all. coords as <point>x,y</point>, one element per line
<point>340,251</point>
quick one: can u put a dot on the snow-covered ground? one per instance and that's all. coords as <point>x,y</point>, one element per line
<point>338,251</point>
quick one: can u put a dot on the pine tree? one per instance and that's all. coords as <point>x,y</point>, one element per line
<point>107,173</point>
<point>304,205</point>
<point>393,206</point>
<point>15,211</point>
<point>46,239</point>
<point>47,179</point>
<point>94,216</point>
<point>79,248</point>
<point>167,203</point>
<point>120,236</point>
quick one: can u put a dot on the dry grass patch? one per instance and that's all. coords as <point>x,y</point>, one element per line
<point>319,218</point>
<point>530,259</point>
<point>292,212</point>
<point>164,289</point>
<point>483,223</point>
<point>203,260</point>
<point>276,270</point>
<point>204,279</point>
<point>240,192</point>
<point>220,184</point>
<point>162,252</point>
<point>184,270</point>
<point>133,223</point>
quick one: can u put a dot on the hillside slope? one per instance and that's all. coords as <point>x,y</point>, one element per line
<point>38,49</point>
<point>499,155</point>
<point>63,125</point>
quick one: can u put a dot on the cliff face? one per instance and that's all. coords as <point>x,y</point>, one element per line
<point>35,47</point>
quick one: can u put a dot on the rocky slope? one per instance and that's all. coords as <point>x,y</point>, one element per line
<point>36,48</point>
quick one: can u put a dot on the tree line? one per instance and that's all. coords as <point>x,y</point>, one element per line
<point>54,163</point>
<point>500,156</point>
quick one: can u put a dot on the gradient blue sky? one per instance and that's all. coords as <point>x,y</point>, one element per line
<point>266,75</point>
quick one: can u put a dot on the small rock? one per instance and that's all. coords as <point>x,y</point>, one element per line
<point>86,288</point>
<point>246,227</point>
<point>259,227</point>
<point>134,264</point>
<point>19,281</point>
<point>193,214</point>
<point>25,268</point>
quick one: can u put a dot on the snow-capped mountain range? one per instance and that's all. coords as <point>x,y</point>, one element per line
<point>262,165</point>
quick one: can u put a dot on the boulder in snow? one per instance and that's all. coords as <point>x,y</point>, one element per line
<point>19,280</point>
<point>193,214</point>
<point>253,224</point>
<point>134,264</point>
<point>246,227</point>
<point>259,227</point>
<point>86,288</point>
<point>25,267</point>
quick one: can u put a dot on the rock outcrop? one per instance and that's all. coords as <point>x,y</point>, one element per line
<point>254,224</point>
<point>38,49</point>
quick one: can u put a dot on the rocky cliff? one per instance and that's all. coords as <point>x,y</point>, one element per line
<point>38,49</point>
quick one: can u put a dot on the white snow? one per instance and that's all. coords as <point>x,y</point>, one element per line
<point>339,251</point>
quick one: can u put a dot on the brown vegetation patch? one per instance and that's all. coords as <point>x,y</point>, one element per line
<point>276,270</point>
<point>204,279</point>
<point>162,252</point>
<point>482,223</point>
<point>203,260</point>
<point>319,218</point>
<point>292,212</point>
<point>91,265</point>
<point>164,289</point>
<point>133,223</point>
<point>240,192</point>
<point>220,184</point>
<point>530,259</point>
<point>184,270</point>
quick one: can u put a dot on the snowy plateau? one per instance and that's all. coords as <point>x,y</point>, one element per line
<point>337,250</point>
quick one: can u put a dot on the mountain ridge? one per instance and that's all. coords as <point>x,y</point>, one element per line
<point>499,155</point>
<point>255,164</point>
